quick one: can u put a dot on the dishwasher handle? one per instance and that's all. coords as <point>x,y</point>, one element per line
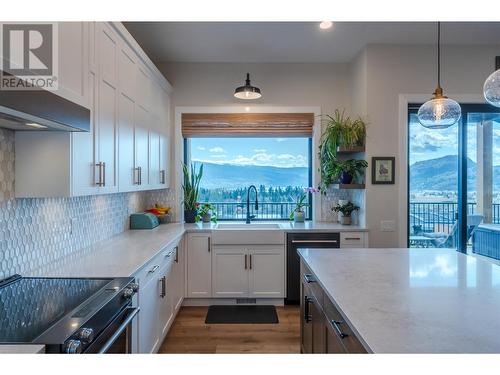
<point>315,241</point>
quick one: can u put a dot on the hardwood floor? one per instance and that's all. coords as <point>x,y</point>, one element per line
<point>190,334</point>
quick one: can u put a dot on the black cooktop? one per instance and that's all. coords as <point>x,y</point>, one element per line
<point>30,306</point>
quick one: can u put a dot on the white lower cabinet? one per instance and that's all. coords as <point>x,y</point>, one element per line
<point>267,272</point>
<point>353,240</point>
<point>161,288</point>
<point>149,304</point>
<point>199,265</point>
<point>229,271</point>
<point>242,271</point>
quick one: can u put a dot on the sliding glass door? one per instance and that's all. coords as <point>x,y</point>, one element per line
<point>432,185</point>
<point>454,182</point>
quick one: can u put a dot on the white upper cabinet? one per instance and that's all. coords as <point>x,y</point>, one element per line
<point>73,64</point>
<point>102,68</point>
<point>107,109</point>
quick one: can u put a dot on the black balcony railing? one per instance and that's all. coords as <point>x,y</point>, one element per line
<point>440,216</point>
<point>266,211</point>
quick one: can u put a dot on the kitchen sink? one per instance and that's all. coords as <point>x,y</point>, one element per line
<point>248,226</point>
<point>244,234</point>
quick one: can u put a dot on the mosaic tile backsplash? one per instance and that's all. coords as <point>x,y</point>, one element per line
<point>36,232</point>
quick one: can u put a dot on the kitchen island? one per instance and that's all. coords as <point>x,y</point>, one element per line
<point>399,301</point>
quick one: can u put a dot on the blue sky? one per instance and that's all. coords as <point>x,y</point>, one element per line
<point>428,144</point>
<point>277,152</point>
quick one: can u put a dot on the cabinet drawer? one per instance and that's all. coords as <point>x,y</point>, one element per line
<point>352,239</point>
<point>151,269</point>
<point>343,331</point>
<point>308,279</point>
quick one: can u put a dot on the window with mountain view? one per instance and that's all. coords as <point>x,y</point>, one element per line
<point>433,184</point>
<point>441,212</point>
<point>278,167</point>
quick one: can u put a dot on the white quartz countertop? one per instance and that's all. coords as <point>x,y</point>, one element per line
<point>21,349</point>
<point>413,300</point>
<point>124,254</point>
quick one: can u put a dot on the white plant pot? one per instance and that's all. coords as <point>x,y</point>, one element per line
<point>299,216</point>
<point>345,220</point>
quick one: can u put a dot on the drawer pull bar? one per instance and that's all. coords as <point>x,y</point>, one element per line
<point>307,316</point>
<point>308,278</point>
<point>163,287</point>
<point>353,239</point>
<point>154,269</point>
<point>336,325</point>
<point>315,241</point>
<point>245,261</point>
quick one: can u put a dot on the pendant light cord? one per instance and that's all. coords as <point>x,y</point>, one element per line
<point>439,52</point>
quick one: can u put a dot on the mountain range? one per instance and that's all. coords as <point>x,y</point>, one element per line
<point>441,174</point>
<point>234,176</point>
<point>438,174</point>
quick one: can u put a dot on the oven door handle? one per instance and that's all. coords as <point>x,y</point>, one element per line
<point>133,312</point>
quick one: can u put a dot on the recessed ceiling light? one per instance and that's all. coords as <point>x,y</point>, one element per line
<point>247,109</point>
<point>35,125</point>
<point>325,25</point>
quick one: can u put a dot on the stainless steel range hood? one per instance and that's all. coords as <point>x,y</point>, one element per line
<point>41,110</point>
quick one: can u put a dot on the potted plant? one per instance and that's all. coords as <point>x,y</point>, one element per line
<point>345,210</point>
<point>191,187</point>
<point>340,130</point>
<point>206,212</point>
<point>298,214</point>
<point>352,169</point>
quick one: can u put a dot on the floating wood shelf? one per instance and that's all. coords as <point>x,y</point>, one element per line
<point>350,150</point>
<point>348,186</point>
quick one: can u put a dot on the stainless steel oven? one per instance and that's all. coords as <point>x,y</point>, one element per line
<point>117,336</point>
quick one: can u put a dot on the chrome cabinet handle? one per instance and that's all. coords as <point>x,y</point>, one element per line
<point>162,176</point>
<point>245,261</point>
<point>352,238</point>
<point>209,244</point>
<point>103,174</point>
<point>100,180</point>
<point>140,175</point>
<point>308,278</point>
<point>314,241</point>
<point>336,325</point>
<point>136,176</point>
<point>307,316</point>
<point>154,269</point>
<point>176,260</point>
<point>250,261</point>
<point>163,287</point>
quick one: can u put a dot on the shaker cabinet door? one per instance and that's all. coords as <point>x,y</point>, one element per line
<point>199,266</point>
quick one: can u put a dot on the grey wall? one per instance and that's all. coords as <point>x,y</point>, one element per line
<point>36,232</point>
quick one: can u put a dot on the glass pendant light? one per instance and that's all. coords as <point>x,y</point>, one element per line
<point>440,112</point>
<point>491,88</point>
<point>248,91</point>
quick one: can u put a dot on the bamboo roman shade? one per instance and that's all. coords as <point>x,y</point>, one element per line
<point>247,124</point>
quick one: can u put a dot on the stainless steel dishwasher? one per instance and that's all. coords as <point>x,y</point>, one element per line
<point>296,241</point>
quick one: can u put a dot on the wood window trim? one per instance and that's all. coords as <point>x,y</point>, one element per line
<point>247,124</point>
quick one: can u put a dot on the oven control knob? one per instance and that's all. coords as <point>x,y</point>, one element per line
<point>73,347</point>
<point>85,334</point>
<point>134,287</point>
<point>128,292</point>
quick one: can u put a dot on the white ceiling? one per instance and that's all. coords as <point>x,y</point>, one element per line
<point>273,42</point>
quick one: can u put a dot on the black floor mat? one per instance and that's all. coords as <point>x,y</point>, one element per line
<point>241,314</point>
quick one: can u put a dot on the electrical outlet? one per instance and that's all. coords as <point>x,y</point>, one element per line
<point>387,225</point>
